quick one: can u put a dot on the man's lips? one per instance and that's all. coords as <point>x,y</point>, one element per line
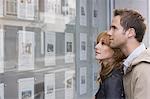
<point>111,39</point>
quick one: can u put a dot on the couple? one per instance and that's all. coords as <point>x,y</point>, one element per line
<point>125,62</point>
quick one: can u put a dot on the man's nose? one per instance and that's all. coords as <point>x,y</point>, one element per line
<point>109,32</point>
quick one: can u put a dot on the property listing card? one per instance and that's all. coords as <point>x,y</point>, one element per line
<point>26,9</point>
<point>95,72</point>
<point>69,48</point>
<point>49,86</point>
<point>83,46</point>
<point>26,50</point>
<point>49,11</point>
<point>1,51</point>
<point>26,88</point>
<point>50,47</point>
<point>1,90</point>
<point>70,11</point>
<point>1,8</point>
<point>95,13</point>
<point>83,12</point>
<point>83,80</point>
<point>10,7</point>
<point>69,84</point>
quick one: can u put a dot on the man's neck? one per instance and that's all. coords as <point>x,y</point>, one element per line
<point>129,48</point>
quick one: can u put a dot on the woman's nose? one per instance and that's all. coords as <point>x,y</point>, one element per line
<point>96,46</point>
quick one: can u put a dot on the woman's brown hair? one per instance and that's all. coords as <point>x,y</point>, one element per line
<point>118,57</point>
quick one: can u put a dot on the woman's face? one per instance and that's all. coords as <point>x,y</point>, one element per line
<point>103,51</point>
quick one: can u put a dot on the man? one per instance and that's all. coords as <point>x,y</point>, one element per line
<point>126,32</point>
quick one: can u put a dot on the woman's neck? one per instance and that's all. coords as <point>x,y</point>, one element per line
<point>106,61</point>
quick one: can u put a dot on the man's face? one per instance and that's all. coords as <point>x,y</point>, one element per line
<point>117,33</point>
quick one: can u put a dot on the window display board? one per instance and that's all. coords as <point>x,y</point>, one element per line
<point>47,48</point>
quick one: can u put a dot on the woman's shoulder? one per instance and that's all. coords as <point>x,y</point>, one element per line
<point>115,74</point>
<point>114,78</point>
<point>117,71</point>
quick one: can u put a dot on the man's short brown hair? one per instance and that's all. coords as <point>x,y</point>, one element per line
<point>132,19</point>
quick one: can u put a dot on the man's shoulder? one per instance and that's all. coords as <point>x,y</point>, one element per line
<point>142,68</point>
<point>147,50</point>
<point>144,57</point>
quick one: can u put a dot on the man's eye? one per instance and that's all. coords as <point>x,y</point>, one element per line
<point>113,27</point>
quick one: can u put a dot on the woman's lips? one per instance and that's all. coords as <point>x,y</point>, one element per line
<point>98,53</point>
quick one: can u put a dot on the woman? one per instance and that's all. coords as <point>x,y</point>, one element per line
<point>110,75</point>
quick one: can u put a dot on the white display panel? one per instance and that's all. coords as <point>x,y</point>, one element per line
<point>70,11</point>
<point>69,84</point>
<point>69,48</point>
<point>95,13</point>
<point>83,46</point>
<point>26,50</point>
<point>1,90</point>
<point>26,9</point>
<point>49,11</point>
<point>1,51</point>
<point>95,72</point>
<point>11,7</point>
<point>50,48</point>
<point>49,86</point>
<point>26,88</point>
<point>83,80</point>
<point>83,12</point>
<point>1,8</point>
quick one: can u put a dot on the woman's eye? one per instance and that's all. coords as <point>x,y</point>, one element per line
<point>102,43</point>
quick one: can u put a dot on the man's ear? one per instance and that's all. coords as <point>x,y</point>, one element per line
<point>131,32</point>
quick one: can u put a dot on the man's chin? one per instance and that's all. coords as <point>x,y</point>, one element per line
<point>112,46</point>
